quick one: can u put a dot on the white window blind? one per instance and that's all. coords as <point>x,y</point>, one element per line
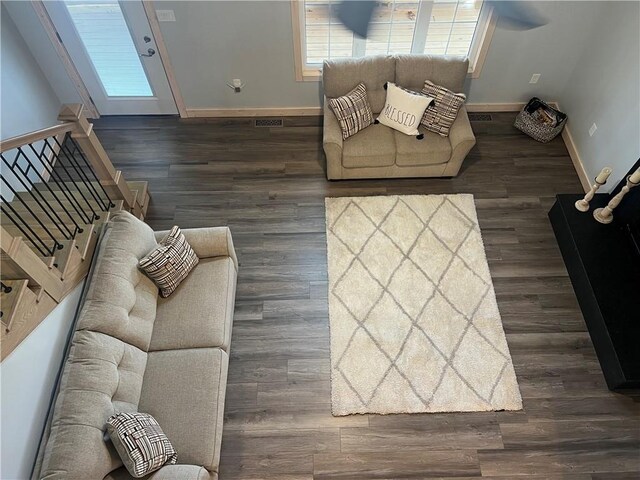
<point>420,26</point>
<point>105,35</point>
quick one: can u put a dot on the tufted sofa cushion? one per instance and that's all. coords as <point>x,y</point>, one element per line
<point>103,375</point>
<point>118,288</point>
<point>107,361</point>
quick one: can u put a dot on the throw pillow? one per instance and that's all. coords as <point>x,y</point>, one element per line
<point>352,111</point>
<point>439,117</point>
<point>170,262</point>
<point>403,109</point>
<point>140,442</point>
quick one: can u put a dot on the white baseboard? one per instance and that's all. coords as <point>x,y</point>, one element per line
<point>575,158</point>
<point>574,154</point>
<point>253,112</point>
<point>495,107</point>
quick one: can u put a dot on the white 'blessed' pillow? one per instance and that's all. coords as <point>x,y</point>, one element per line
<point>403,110</point>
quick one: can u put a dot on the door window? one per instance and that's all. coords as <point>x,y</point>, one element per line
<point>103,31</point>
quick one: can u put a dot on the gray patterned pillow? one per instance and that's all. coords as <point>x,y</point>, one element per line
<point>140,442</point>
<point>352,111</point>
<point>440,115</point>
<point>170,262</point>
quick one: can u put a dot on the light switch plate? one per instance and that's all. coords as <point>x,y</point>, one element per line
<point>592,129</point>
<point>166,15</point>
<point>534,78</point>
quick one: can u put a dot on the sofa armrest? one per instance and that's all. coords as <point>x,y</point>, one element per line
<point>462,141</point>
<point>331,132</point>
<point>332,143</point>
<point>208,242</point>
<point>461,129</point>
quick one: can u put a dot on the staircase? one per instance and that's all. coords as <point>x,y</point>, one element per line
<point>58,189</point>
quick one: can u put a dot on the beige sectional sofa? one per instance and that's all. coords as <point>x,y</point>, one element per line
<point>379,151</point>
<point>135,351</point>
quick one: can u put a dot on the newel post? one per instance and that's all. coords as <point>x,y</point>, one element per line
<point>112,179</point>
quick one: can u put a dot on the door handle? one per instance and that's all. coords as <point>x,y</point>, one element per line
<point>150,53</point>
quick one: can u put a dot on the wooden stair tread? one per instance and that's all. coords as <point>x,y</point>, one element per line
<point>56,187</point>
<point>74,250</point>
<point>142,188</point>
<point>56,198</point>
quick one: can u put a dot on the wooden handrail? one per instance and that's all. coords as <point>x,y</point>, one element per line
<point>82,132</point>
<point>31,137</point>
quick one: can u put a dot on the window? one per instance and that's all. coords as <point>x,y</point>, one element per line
<point>453,27</point>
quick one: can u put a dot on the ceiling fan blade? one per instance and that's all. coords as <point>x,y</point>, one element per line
<point>356,15</point>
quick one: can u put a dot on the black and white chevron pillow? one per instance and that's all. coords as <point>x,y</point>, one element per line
<point>140,442</point>
<point>170,262</point>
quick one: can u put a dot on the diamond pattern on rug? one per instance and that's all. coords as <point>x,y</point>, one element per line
<point>414,322</point>
<point>390,341</point>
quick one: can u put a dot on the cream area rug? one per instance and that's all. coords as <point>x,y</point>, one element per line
<point>414,321</point>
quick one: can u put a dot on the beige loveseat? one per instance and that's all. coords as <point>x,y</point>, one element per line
<point>379,151</point>
<point>135,351</point>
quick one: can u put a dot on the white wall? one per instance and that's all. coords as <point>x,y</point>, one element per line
<point>27,375</point>
<point>27,100</point>
<point>213,42</point>
<point>604,89</point>
<point>27,379</point>
<point>552,50</point>
<point>25,19</point>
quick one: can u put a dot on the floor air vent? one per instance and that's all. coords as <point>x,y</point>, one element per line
<point>480,117</point>
<point>268,122</point>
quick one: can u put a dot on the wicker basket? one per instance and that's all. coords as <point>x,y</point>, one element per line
<point>529,121</point>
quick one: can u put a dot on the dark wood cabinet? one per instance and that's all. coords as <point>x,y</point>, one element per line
<point>603,262</point>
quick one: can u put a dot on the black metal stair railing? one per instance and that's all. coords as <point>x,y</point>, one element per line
<point>74,157</point>
<point>48,160</point>
<point>55,192</point>
<point>36,240</point>
<point>28,184</point>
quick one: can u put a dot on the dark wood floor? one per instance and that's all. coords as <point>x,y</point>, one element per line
<point>269,186</point>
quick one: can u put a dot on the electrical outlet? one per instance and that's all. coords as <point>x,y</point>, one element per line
<point>166,15</point>
<point>534,78</point>
<point>593,129</point>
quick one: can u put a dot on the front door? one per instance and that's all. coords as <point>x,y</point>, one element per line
<point>113,49</point>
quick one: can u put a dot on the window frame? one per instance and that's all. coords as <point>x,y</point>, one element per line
<point>477,54</point>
